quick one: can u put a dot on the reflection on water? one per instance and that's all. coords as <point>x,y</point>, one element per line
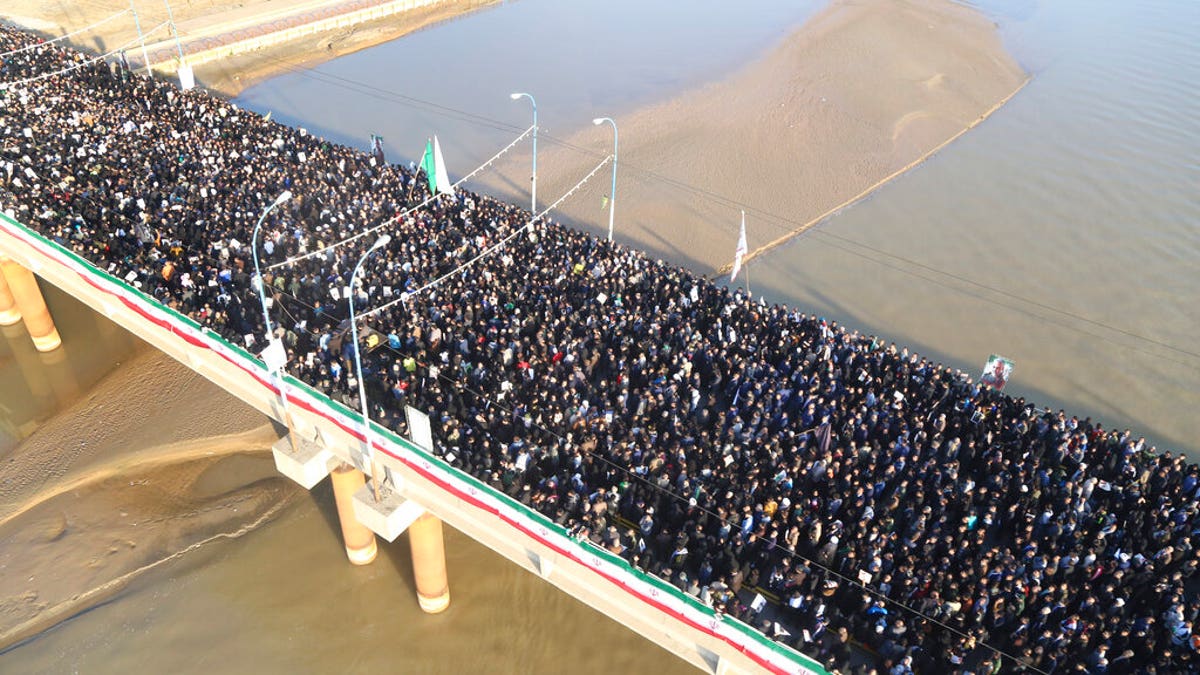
<point>33,385</point>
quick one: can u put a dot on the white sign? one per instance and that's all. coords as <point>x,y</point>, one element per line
<point>758,603</point>
<point>275,356</point>
<point>418,428</point>
<point>187,78</point>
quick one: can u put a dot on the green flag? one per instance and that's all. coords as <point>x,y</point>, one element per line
<point>435,168</point>
<point>427,165</point>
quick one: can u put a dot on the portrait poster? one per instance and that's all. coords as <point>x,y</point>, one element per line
<point>997,372</point>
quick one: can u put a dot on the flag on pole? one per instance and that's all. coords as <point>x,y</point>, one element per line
<point>740,252</point>
<point>435,168</point>
<point>377,148</point>
<point>426,164</point>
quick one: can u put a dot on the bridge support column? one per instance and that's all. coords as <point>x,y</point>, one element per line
<point>429,563</point>
<point>360,541</point>
<point>9,314</point>
<point>24,290</point>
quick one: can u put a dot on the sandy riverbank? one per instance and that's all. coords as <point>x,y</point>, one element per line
<point>864,90</point>
<point>230,76</point>
<point>152,463</point>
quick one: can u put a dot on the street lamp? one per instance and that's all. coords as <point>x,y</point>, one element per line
<point>283,197</point>
<point>274,357</point>
<point>174,32</point>
<point>138,24</point>
<point>362,388</point>
<point>533,198</point>
<point>612,197</point>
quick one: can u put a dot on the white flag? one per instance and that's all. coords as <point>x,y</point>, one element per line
<point>740,252</point>
<point>442,180</point>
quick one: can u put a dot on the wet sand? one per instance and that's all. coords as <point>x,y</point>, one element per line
<point>864,91</point>
<point>227,77</point>
<point>128,478</point>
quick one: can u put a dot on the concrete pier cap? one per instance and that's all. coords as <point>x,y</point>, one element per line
<point>392,514</point>
<point>388,517</point>
<point>307,462</point>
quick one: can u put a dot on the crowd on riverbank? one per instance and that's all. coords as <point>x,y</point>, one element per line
<point>721,443</point>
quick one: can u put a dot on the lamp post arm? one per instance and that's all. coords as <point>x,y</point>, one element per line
<point>262,293</point>
<point>533,191</point>
<point>362,390</point>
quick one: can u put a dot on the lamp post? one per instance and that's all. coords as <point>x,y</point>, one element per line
<point>362,388</point>
<point>612,197</point>
<point>137,23</point>
<point>262,294</point>
<point>174,32</point>
<point>533,198</point>
<point>273,364</point>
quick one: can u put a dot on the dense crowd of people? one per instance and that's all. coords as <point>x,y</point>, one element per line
<point>726,445</point>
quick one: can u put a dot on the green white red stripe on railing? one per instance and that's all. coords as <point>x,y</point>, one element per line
<point>478,496</point>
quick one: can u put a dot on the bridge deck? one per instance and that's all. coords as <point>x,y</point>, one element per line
<point>644,603</point>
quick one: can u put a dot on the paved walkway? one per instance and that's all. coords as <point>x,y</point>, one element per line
<point>249,23</point>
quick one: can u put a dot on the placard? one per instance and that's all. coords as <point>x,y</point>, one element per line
<point>187,78</point>
<point>996,372</point>
<point>419,430</point>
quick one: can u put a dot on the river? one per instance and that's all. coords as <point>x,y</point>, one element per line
<point>1061,233</point>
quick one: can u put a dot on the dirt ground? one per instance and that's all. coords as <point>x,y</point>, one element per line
<point>126,478</point>
<point>230,76</point>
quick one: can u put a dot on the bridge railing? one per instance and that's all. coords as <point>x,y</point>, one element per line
<point>646,603</point>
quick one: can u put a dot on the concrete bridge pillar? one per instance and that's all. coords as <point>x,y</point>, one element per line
<point>9,314</point>
<point>24,289</point>
<point>429,563</point>
<point>360,541</point>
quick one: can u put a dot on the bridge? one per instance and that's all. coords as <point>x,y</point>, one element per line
<point>416,490</point>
